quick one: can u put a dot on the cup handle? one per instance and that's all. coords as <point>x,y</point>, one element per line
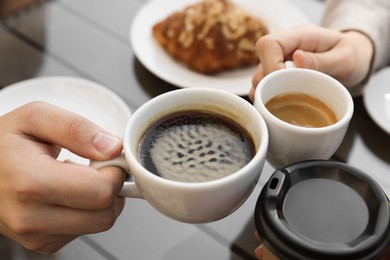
<point>129,188</point>
<point>289,64</point>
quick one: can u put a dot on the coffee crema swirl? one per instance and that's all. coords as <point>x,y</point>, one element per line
<point>195,146</point>
<point>301,110</point>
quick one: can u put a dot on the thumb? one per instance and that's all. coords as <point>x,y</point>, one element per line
<point>329,62</point>
<point>57,126</point>
<point>307,60</point>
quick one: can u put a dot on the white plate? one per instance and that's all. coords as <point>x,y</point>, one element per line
<point>278,14</point>
<point>84,97</point>
<point>376,98</point>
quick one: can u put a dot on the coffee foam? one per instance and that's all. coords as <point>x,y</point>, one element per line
<point>198,153</point>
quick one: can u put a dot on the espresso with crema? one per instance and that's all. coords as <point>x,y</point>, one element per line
<point>301,110</point>
<point>195,146</point>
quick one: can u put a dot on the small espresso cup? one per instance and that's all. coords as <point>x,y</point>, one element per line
<point>302,89</point>
<point>206,197</point>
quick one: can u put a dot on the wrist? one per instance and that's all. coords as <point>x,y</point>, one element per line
<point>364,49</point>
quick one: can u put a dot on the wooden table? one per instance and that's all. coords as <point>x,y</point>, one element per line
<point>89,39</point>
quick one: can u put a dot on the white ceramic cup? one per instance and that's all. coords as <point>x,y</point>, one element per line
<point>192,202</point>
<point>290,143</point>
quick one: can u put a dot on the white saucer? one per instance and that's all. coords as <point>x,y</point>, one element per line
<point>84,97</point>
<point>278,14</point>
<point>376,98</point>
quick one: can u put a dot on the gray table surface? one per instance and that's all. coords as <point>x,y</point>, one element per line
<point>89,39</point>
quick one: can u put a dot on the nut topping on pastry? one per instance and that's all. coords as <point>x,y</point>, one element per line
<point>211,36</point>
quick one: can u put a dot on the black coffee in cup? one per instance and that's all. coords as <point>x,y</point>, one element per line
<point>322,210</point>
<point>195,146</point>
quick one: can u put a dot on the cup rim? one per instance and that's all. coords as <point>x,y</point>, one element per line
<point>346,117</point>
<point>259,155</point>
<point>281,237</point>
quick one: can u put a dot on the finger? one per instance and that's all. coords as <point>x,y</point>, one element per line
<point>330,62</point>
<point>47,221</point>
<point>66,129</point>
<point>84,187</point>
<point>51,244</point>
<point>43,243</point>
<point>270,53</point>
<point>252,94</point>
<point>257,236</point>
<point>259,252</point>
<point>77,222</point>
<point>72,185</point>
<point>306,37</point>
<point>255,81</point>
<point>66,221</point>
<point>274,49</point>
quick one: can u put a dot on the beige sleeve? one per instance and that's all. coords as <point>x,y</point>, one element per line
<point>371,17</point>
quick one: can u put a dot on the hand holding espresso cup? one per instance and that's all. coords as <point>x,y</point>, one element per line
<point>194,154</point>
<point>307,114</point>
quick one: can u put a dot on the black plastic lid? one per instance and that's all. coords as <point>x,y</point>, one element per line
<point>323,210</point>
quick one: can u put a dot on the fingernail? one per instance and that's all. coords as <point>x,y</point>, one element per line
<point>106,143</point>
<point>259,252</point>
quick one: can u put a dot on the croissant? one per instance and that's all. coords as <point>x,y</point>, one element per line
<point>211,36</point>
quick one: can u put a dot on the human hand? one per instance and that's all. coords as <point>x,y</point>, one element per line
<point>262,252</point>
<point>46,203</point>
<point>345,56</point>
<point>259,252</point>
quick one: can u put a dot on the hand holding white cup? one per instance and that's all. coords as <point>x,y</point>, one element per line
<point>160,171</point>
<point>293,141</point>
